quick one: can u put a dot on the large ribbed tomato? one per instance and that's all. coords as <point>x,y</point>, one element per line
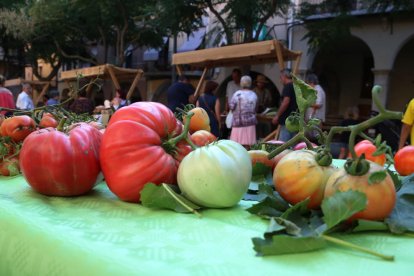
<point>136,150</point>
<point>17,127</point>
<point>381,195</point>
<point>298,176</point>
<point>59,164</point>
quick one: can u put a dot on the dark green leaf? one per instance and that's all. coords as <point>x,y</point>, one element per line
<point>284,244</point>
<point>341,206</point>
<point>260,169</point>
<point>301,208</point>
<point>370,225</point>
<point>163,196</point>
<point>266,208</point>
<point>275,226</point>
<point>396,179</point>
<point>376,177</point>
<point>402,217</point>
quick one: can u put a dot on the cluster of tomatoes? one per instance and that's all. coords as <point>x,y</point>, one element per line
<point>298,176</point>
<point>143,143</point>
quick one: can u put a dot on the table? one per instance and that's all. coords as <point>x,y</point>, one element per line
<point>97,234</point>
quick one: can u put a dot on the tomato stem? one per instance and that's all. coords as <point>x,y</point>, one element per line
<point>61,124</point>
<point>173,141</point>
<point>298,137</point>
<point>357,247</point>
<point>182,203</point>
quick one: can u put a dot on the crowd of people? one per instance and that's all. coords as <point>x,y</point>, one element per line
<point>244,99</point>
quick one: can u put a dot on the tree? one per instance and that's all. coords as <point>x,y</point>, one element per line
<point>249,15</point>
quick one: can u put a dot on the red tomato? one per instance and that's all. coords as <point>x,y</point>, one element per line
<point>48,121</point>
<point>381,196</point>
<point>298,176</point>
<point>59,164</point>
<point>9,167</point>
<point>369,148</point>
<point>182,150</point>
<point>404,160</point>
<point>202,137</point>
<point>18,127</point>
<point>135,149</point>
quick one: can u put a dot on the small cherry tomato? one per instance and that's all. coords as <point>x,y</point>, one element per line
<point>404,160</point>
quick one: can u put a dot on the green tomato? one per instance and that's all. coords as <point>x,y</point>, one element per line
<point>292,123</point>
<point>216,175</point>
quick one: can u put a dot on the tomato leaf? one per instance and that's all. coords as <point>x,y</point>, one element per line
<point>341,206</point>
<point>166,196</point>
<point>305,94</point>
<point>396,179</point>
<point>370,225</point>
<point>271,203</point>
<point>402,217</point>
<point>376,177</point>
<point>285,244</point>
<point>13,169</point>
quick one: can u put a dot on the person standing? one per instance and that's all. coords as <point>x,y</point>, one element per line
<point>243,104</point>
<point>6,97</point>
<point>232,86</point>
<point>24,100</point>
<point>318,109</point>
<point>180,93</point>
<point>264,97</point>
<point>287,106</point>
<point>209,102</point>
<point>407,128</point>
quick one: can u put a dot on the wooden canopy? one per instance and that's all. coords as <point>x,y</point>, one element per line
<point>36,98</point>
<point>270,51</point>
<point>106,71</point>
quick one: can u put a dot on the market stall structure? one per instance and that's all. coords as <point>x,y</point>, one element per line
<point>263,52</point>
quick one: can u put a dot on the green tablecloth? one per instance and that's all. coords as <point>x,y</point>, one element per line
<point>99,235</point>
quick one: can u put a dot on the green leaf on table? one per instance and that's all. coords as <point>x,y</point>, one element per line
<point>166,196</point>
<point>285,244</point>
<point>341,206</point>
<point>271,204</point>
<point>376,177</point>
<point>402,217</point>
<point>370,225</point>
<point>305,94</point>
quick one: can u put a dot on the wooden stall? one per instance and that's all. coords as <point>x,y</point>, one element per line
<point>106,71</point>
<point>263,52</point>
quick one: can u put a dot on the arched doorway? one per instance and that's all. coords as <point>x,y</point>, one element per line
<point>401,89</point>
<point>345,74</point>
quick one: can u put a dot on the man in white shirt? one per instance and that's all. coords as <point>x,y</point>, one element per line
<point>24,100</point>
<point>232,86</point>
<point>318,109</point>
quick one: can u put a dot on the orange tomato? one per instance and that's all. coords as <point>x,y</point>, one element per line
<point>381,196</point>
<point>369,148</point>
<point>298,176</point>
<point>200,120</point>
<point>18,127</point>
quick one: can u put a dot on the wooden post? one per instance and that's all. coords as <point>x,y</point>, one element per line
<point>179,71</point>
<point>273,135</point>
<point>296,64</point>
<point>279,55</point>
<point>203,76</point>
<point>134,83</point>
<point>113,76</point>
<point>42,93</point>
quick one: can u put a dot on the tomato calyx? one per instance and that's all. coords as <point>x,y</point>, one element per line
<point>357,167</point>
<point>323,157</point>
